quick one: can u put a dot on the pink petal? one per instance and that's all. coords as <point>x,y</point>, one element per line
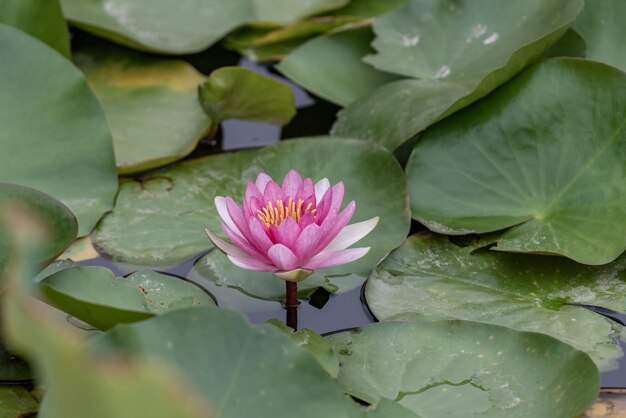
<point>225,246</point>
<point>320,188</point>
<point>252,192</point>
<point>236,215</point>
<point>306,242</point>
<point>288,232</point>
<point>251,206</point>
<point>291,183</point>
<point>324,206</point>
<point>283,257</point>
<point>250,264</point>
<point>305,190</point>
<point>258,235</point>
<point>244,244</point>
<point>272,193</point>
<point>336,198</point>
<point>261,181</point>
<point>333,224</point>
<point>351,234</point>
<point>222,210</point>
<point>306,219</point>
<point>335,258</point>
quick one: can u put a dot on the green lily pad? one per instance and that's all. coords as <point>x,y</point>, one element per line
<point>72,162</point>
<point>457,52</point>
<point>545,156</point>
<point>429,277</point>
<point>151,104</point>
<point>189,26</point>
<point>312,341</point>
<point>52,213</point>
<point>160,220</point>
<point>15,401</point>
<point>457,369</point>
<point>80,386</point>
<point>96,296</point>
<point>43,20</point>
<point>259,371</point>
<point>331,67</point>
<point>601,23</point>
<point>239,93</point>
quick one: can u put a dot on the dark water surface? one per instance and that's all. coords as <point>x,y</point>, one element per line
<point>324,313</point>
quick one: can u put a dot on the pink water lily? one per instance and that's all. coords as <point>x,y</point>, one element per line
<point>292,229</point>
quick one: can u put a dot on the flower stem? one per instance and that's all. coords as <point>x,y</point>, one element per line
<point>292,304</point>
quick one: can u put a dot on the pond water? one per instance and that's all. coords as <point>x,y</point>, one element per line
<point>324,313</point>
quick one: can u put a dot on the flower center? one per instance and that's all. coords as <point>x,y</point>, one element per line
<point>272,214</point>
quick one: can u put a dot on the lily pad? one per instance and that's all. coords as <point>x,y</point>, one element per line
<point>429,277</point>
<point>151,104</point>
<point>72,162</point>
<point>456,369</point>
<point>160,219</point>
<point>457,52</point>
<point>315,66</point>
<point>239,93</point>
<point>315,343</point>
<point>368,8</point>
<point>80,386</point>
<point>260,372</point>
<point>52,213</point>
<point>190,26</point>
<point>95,295</point>
<point>43,20</point>
<point>545,156</point>
<point>15,401</point>
<point>601,23</point>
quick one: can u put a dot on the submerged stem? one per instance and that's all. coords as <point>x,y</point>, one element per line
<point>291,304</point>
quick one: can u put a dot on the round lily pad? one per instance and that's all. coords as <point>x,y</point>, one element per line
<point>430,277</point>
<point>73,162</point>
<point>160,218</point>
<point>457,369</point>
<point>95,295</point>
<point>244,371</point>
<point>545,156</point>
<point>151,104</point>
<point>455,53</point>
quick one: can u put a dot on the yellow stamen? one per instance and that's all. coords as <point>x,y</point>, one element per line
<point>274,214</point>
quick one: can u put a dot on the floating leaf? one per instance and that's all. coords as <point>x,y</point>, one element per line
<point>545,156</point>
<point>16,402</point>
<point>41,93</point>
<point>190,26</point>
<point>456,369</point>
<point>601,23</point>
<point>42,19</point>
<point>95,295</point>
<point>58,218</point>
<point>315,66</point>
<point>160,220</point>
<point>458,52</point>
<point>315,343</point>
<point>239,93</point>
<point>151,104</point>
<point>79,386</point>
<point>429,277</point>
<point>245,371</point>
<point>368,8</point>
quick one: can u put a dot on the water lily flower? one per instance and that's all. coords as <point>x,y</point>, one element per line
<point>292,229</point>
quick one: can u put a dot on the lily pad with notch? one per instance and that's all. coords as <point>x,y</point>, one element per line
<point>456,369</point>
<point>429,277</point>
